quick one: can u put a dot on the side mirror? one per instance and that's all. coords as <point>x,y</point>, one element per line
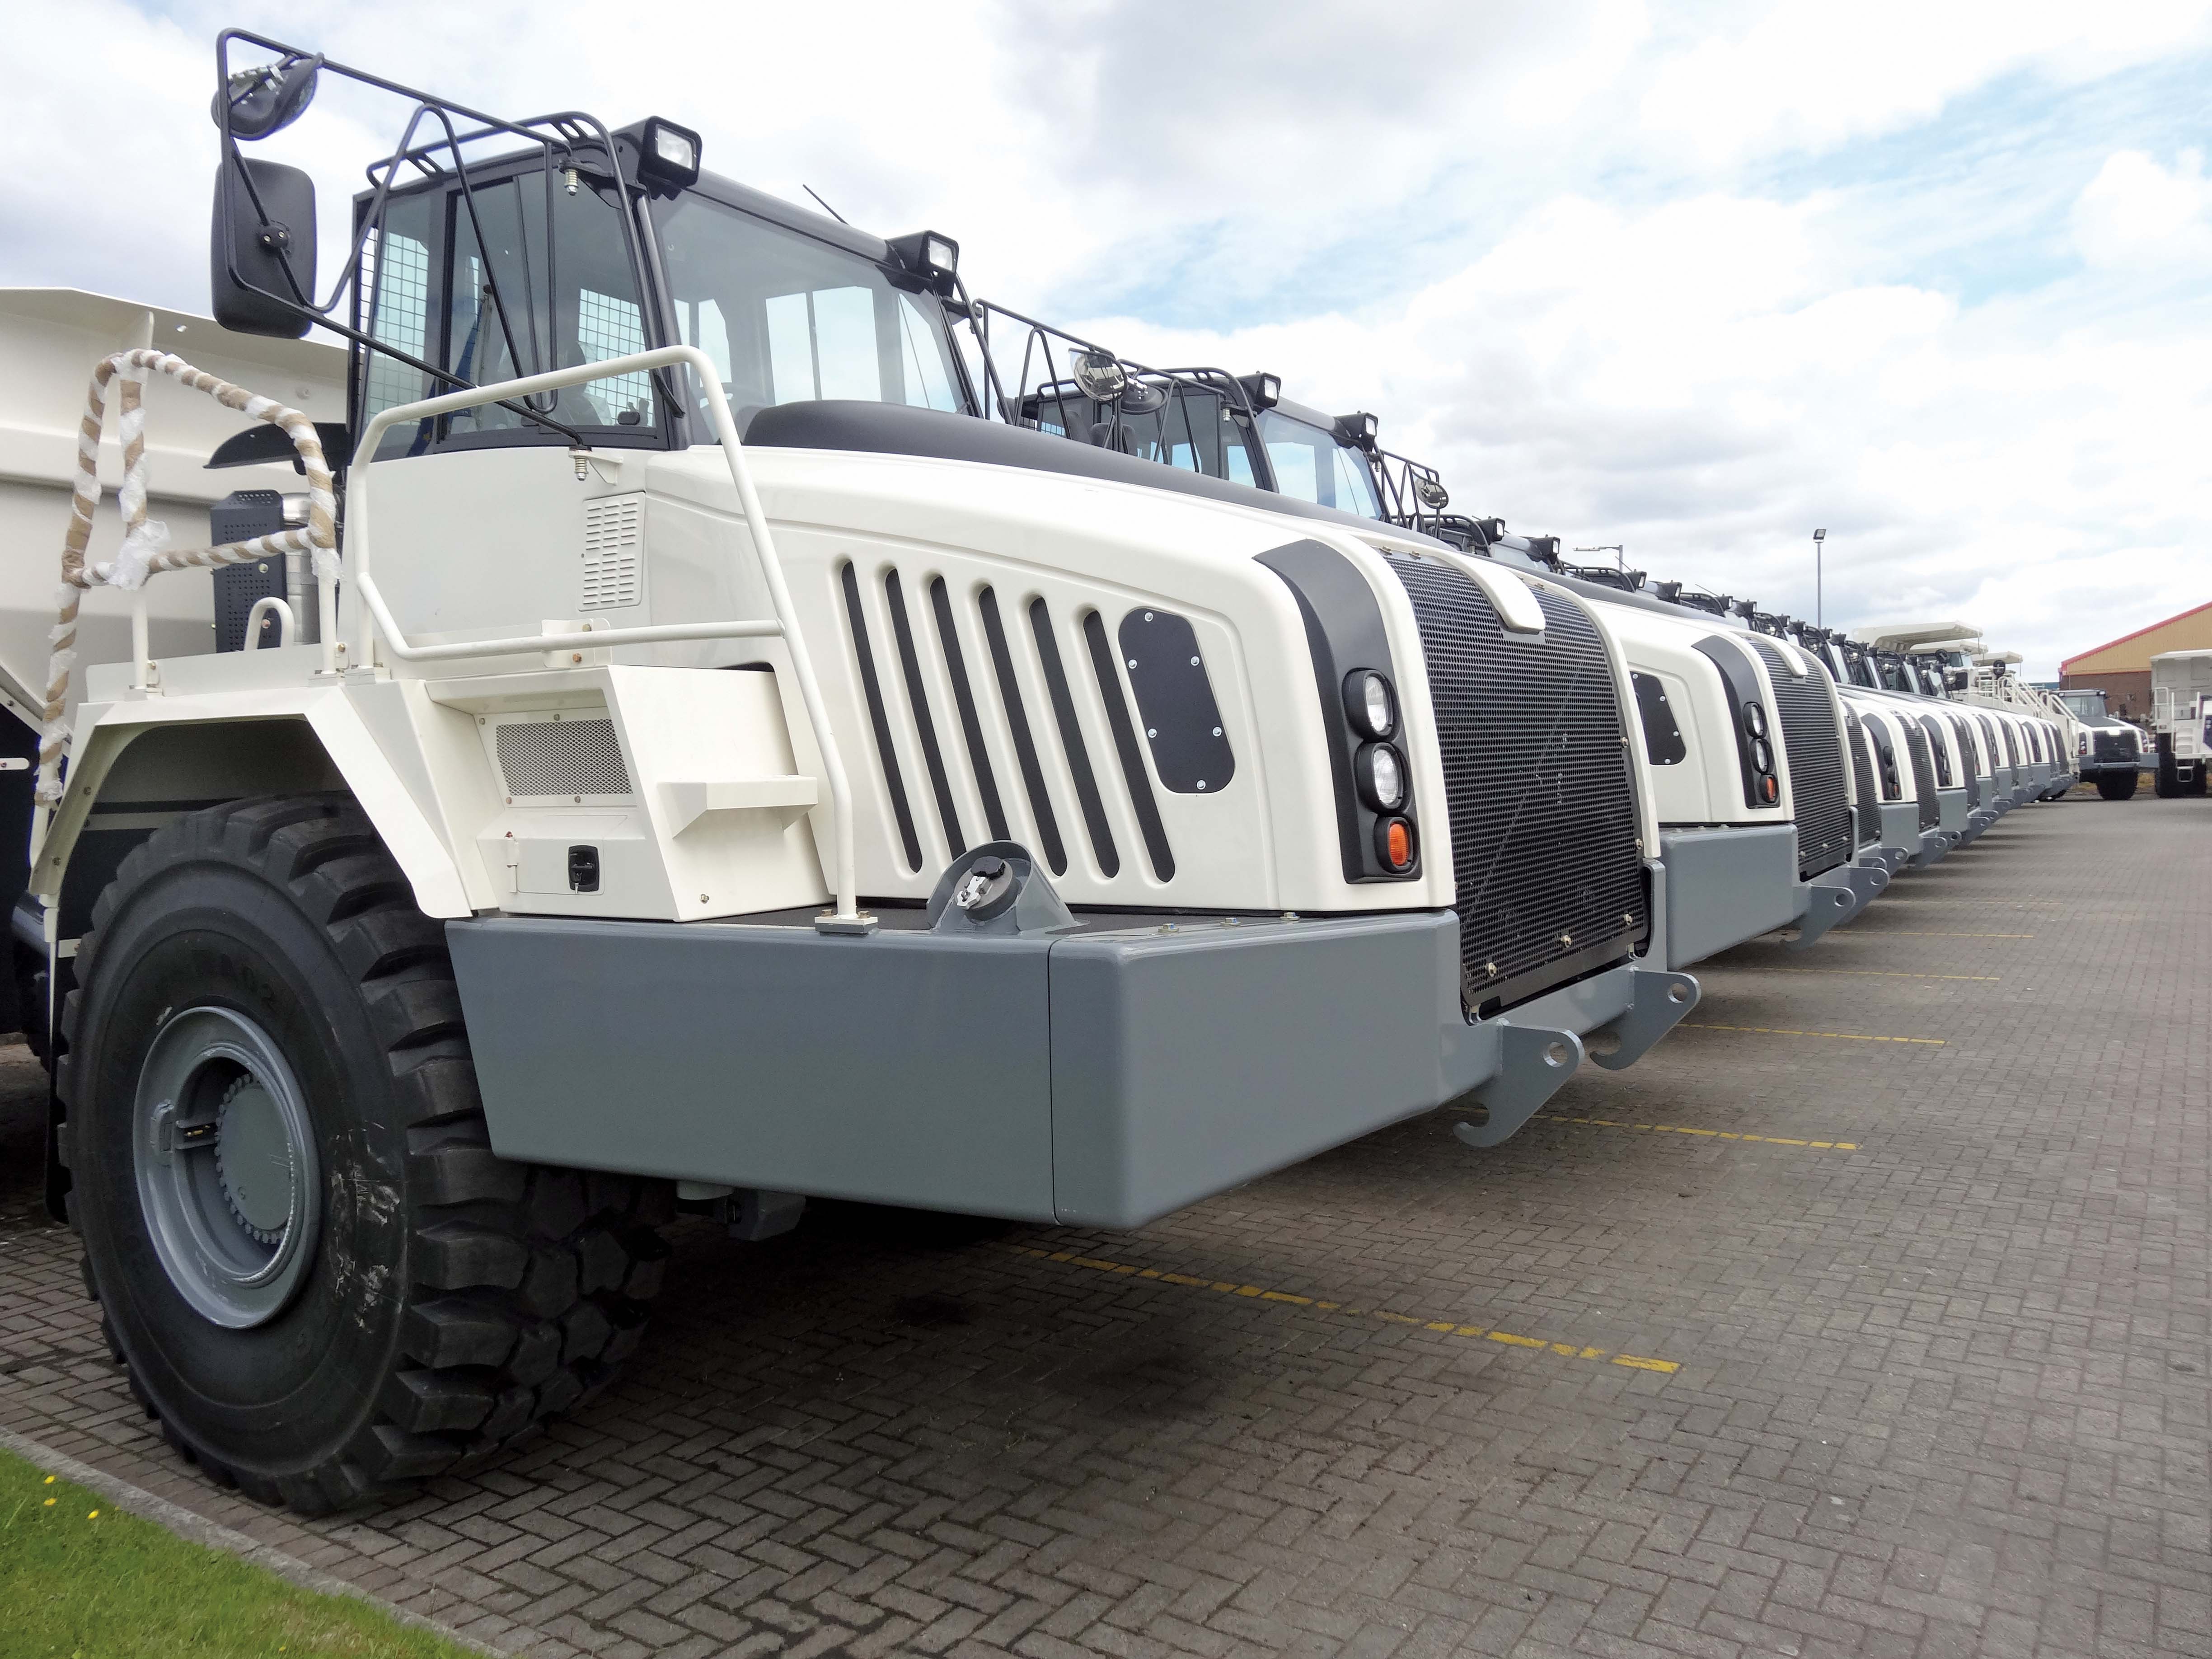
<point>262,248</point>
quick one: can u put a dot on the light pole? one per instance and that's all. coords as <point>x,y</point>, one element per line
<point>1819,619</point>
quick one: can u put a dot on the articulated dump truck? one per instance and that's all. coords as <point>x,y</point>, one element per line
<point>646,734</point>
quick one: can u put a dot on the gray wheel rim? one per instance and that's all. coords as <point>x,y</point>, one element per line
<point>227,1175</point>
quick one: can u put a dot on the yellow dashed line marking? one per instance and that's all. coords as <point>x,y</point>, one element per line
<point>1441,1326</point>
<point>1784,1031</point>
<point>1908,932</point>
<point>1715,1134</point>
<point>1883,973</point>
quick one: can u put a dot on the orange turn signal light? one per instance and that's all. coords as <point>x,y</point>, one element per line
<point>1393,839</point>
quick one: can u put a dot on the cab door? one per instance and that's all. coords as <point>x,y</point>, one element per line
<point>482,525</point>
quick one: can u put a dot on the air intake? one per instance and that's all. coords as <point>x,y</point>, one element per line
<point>1816,761</point>
<point>1924,774</point>
<point>562,757</point>
<point>1862,782</point>
<point>614,543</point>
<point>1550,880</point>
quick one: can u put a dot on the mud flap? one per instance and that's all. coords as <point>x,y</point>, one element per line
<point>1835,896</point>
<point>1532,1064</point>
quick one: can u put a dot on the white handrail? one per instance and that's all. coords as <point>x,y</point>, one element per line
<point>377,618</point>
<point>269,605</point>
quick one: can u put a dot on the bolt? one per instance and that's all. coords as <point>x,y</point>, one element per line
<point>703,898</point>
<point>1201,783</point>
<point>1148,615</point>
<point>1152,731</point>
<point>1194,662</point>
<point>1217,731</point>
<point>1132,662</point>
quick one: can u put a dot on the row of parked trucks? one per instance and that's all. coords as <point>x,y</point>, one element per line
<point>685,709</point>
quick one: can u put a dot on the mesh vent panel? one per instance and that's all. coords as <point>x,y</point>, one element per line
<point>562,757</point>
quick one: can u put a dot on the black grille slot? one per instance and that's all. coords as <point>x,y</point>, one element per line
<point>1863,784</point>
<point>931,757</point>
<point>1070,740</point>
<point>964,694</point>
<point>894,784</point>
<point>1550,880</point>
<point>1816,763</point>
<point>1018,718</point>
<point>1923,773</point>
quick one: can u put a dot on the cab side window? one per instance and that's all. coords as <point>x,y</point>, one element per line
<point>505,281</point>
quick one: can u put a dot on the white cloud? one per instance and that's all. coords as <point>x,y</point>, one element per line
<point>2135,213</point>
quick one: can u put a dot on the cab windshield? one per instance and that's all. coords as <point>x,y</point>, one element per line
<point>1309,463</point>
<point>787,319</point>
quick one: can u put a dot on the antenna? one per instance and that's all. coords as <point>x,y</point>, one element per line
<point>826,208</point>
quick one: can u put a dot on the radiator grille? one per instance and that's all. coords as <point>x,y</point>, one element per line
<point>1549,875</point>
<point>1968,759</point>
<point>1924,774</point>
<point>1862,783</point>
<point>2114,745</point>
<point>1816,763</point>
<point>562,757</point>
<point>614,539</point>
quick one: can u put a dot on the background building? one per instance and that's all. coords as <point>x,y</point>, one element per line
<point>2121,668</point>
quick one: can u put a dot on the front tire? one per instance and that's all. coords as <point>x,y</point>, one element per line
<point>322,1281</point>
<point>2116,785</point>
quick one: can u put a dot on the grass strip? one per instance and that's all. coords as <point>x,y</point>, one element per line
<point>81,1579</point>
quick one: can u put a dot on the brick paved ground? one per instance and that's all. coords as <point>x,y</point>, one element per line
<point>1945,1391</point>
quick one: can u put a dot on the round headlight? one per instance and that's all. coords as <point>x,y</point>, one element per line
<point>1761,756</point>
<point>1382,777</point>
<point>1368,699</point>
<point>1755,719</point>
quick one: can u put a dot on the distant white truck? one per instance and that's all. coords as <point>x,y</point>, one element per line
<point>2181,719</point>
<point>2108,751</point>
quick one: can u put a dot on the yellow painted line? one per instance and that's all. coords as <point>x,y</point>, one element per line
<point>1880,972</point>
<point>1909,933</point>
<point>1441,1326</point>
<point>1784,1031</point>
<point>1715,1134</point>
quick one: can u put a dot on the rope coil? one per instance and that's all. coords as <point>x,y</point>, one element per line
<point>145,552</point>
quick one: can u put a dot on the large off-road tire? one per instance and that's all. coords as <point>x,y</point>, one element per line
<point>266,1038</point>
<point>2116,785</point>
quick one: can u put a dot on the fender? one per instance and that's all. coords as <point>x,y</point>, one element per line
<point>367,732</point>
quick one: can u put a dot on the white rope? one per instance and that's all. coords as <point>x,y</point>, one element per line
<point>145,550</point>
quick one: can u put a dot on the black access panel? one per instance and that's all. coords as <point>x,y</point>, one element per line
<point>241,516</point>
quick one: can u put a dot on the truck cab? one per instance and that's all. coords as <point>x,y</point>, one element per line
<point>2108,750</point>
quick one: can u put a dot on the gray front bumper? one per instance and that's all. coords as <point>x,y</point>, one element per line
<point>1727,885</point>
<point>1903,837</point>
<point>1101,1078</point>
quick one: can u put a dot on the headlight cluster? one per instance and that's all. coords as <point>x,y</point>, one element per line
<point>1378,770</point>
<point>1764,785</point>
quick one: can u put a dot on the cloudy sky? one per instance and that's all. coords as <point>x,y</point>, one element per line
<point>1691,277</point>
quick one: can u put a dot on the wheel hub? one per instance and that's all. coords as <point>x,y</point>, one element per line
<point>254,1160</point>
<point>229,1178</point>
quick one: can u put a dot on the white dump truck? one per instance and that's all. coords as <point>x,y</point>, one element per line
<point>2181,720</point>
<point>2108,750</point>
<point>677,752</point>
